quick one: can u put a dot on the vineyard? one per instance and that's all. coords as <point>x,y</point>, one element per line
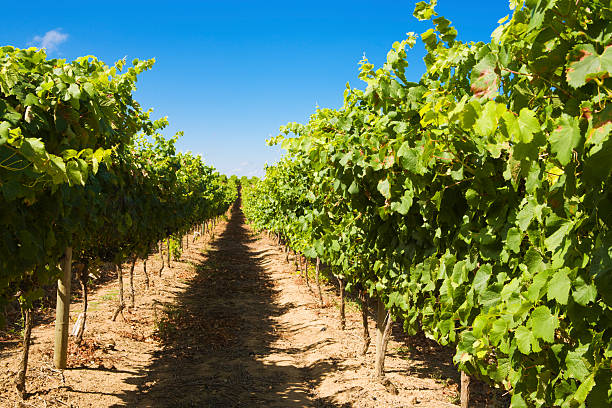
<point>468,211</point>
<point>474,205</point>
<point>87,178</point>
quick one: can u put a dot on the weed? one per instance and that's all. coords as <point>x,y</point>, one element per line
<point>173,312</point>
<point>352,305</point>
<point>110,295</point>
<point>405,351</point>
<point>165,328</point>
<point>454,399</point>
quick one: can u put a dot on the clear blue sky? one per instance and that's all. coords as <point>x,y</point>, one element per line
<point>229,73</point>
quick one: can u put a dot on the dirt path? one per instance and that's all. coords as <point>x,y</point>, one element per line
<point>236,327</point>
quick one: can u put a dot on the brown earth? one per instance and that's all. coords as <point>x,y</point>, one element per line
<point>230,325</point>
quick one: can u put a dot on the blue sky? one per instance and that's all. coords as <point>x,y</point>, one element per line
<point>230,73</point>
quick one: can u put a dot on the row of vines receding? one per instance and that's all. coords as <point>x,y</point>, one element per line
<point>86,177</point>
<point>476,203</point>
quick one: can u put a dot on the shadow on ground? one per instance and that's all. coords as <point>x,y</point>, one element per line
<point>218,333</point>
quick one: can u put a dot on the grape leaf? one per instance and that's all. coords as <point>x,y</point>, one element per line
<point>543,324</point>
<point>587,64</point>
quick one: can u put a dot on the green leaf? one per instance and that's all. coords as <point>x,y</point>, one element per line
<point>33,149</point>
<point>533,261</point>
<point>482,277</point>
<point>511,126</point>
<point>384,188</point>
<point>555,239</point>
<point>559,287</point>
<point>89,89</point>
<point>539,281</point>
<point>543,324</point>
<point>424,10</point>
<point>409,158</point>
<point>523,339</point>
<point>447,32</point>
<point>484,80</point>
<point>30,100</point>
<point>479,325</point>
<point>587,64</point>
<point>74,91</point>
<point>4,132</point>
<point>403,206</point>
<point>513,239</point>
<point>526,214</point>
<point>74,173</point>
<point>528,125</point>
<point>583,293</point>
<point>469,114</point>
<point>335,246</point>
<point>429,38</point>
<point>487,121</point>
<point>576,365</point>
<point>585,388</point>
<point>565,138</point>
<point>517,401</point>
<point>499,331</point>
<point>345,124</point>
<point>533,178</point>
<point>58,170</point>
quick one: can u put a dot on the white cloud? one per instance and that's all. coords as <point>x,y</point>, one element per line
<point>51,40</point>
<point>247,168</point>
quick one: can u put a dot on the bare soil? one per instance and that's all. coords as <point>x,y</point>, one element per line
<point>229,325</point>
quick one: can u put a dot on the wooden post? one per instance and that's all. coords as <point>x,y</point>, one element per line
<point>161,255</point>
<point>380,319</point>
<point>62,311</point>
<point>168,244</point>
<point>318,269</point>
<point>121,304</point>
<point>144,269</point>
<point>465,390</point>
<point>364,320</point>
<point>342,314</point>
<point>20,382</point>
<point>132,294</point>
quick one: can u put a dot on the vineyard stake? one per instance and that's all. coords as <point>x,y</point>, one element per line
<point>465,390</point>
<point>62,311</point>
